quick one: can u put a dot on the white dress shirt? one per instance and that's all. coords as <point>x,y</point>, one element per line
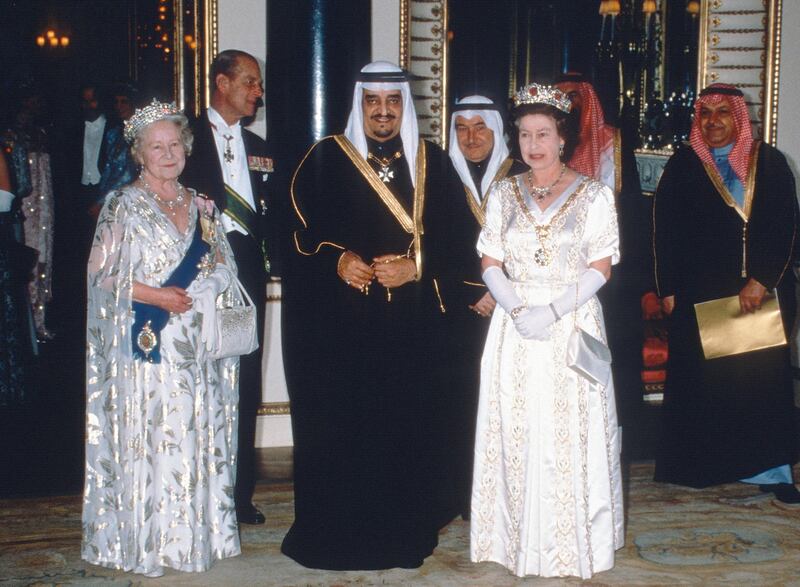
<point>234,173</point>
<point>92,140</point>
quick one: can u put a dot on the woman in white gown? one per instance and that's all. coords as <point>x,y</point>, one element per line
<point>547,491</point>
<point>161,414</point>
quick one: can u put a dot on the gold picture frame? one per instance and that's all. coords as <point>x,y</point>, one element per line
<point>198,19</point>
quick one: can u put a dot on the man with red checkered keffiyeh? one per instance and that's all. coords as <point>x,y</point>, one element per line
<point>602,154</point>
<point>725,222</point>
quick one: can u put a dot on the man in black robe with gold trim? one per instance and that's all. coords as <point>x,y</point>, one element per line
<point>365,301</point>
<point>725,223</point>
<point>481,158</point>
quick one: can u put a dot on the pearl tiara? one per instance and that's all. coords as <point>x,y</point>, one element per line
<point>540,94</point>
<point>143,117</point>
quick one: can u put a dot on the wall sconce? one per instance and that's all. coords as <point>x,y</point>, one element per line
<point>53,40</point>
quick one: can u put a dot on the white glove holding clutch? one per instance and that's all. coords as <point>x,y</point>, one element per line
<point>204,294</point>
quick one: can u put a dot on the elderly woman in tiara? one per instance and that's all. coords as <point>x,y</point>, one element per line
<point>547,492</point>
<point>161,413</point>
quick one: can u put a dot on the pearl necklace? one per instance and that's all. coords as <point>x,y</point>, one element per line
<point>172,205</point>
<point>541,192</point>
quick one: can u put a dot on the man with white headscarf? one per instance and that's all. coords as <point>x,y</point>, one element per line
<point>481,158</point>
<point>375,261</point>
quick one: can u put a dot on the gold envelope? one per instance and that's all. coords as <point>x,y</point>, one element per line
<point>725,331</point>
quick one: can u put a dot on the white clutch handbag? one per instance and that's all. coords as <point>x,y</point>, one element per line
<point>588,357</point>
<point>236,329</point>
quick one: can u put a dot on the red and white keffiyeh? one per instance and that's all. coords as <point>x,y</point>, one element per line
<point>595,135</point>
<point>739,157</point>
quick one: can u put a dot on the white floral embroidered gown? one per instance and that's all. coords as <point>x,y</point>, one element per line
<point>547,490</point>
<point>160,438</point>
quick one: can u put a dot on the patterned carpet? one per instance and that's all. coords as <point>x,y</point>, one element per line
<point>729,535</point>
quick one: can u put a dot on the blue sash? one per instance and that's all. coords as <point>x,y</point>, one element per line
<point>150,320</point>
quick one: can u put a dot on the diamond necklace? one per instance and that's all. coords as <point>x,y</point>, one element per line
<point>541,192</point>
<point>172,205</point>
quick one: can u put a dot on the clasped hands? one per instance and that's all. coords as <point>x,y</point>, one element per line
<point>389,270</point>
<point>532,322</point>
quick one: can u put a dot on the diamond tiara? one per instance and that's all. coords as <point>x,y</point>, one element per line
<point>151,113</point>
<point>539,94</point>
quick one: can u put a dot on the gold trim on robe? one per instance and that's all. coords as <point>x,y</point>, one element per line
<point>479,212</point>
<point>384,193</point>
<point>749,193</point>
<point>300,214</point>
<point>413,227</point>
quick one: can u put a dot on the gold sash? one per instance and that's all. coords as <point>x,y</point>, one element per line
<point>411,226</point>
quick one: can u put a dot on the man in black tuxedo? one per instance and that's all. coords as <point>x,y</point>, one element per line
<point>230,165</point>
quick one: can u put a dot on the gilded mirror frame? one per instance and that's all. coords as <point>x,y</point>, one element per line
<point>190,77</point>
<point>739,44</point>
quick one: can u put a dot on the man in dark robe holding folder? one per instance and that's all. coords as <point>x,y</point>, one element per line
<point>725,223</point>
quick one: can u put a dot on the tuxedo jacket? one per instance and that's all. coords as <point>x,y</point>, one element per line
<point>203,172</point>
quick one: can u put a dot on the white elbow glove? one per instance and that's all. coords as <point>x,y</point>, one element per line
<point>588,284</point>
<point>532,322</point>
<point>501,288</point>
<point>526,321</point>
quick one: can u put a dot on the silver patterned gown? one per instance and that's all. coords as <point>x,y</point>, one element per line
<point>547,491</point>
<point>160,438</point>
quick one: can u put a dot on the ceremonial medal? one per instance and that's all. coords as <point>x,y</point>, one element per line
<point>228,154</point>
<point>385,174</point>
<point>262,164</point>
<point>209,229</point>
<point>147,339</point>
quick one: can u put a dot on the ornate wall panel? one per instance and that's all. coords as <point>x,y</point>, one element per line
<point>740,45</point>
<point>423,52</point>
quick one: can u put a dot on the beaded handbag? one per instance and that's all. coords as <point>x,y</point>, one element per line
<point>236,328</point>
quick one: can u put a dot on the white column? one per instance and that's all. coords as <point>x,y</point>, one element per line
<point>386,30</point>
<point>243,25</point>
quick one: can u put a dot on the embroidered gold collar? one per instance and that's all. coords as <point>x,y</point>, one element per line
<point>479,211</point>
<point>749,188</point>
